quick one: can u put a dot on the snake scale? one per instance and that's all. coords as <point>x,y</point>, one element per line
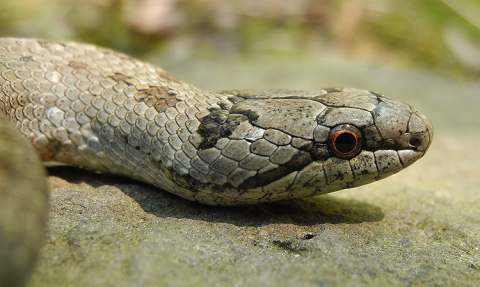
<point>102,110</point>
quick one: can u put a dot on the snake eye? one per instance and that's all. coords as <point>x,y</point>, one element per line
<point>345,141</point>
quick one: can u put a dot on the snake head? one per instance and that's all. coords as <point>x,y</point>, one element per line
<point>315,142</point>
<point>377,135</point>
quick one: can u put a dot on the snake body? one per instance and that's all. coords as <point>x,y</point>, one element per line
<point>99,109</point>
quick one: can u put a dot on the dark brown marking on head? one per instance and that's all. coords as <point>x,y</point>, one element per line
<point>218,124</point>
<point>211,130</point>
<point>232,123</point>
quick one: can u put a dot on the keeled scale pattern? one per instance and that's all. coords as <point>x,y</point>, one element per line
<point>103,110</point>
<point>99,109</point>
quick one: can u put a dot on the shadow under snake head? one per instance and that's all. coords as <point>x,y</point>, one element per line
<point>276,144</point>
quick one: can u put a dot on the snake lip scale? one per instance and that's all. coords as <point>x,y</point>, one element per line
<point>99,109</point>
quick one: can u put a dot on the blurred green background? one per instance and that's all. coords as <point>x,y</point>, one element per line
<point>422,52</point>
<point>440,35</point>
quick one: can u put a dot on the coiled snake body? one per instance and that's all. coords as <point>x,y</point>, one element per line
<point>93,107</point>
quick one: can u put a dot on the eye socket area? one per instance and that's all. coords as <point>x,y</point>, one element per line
<point>345,141</point>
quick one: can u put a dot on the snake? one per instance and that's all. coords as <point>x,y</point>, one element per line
<point>102,110</point>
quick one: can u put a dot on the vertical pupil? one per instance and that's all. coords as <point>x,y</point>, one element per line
<point>345,143</point>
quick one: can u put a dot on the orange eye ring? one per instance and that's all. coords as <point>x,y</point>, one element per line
<point>345,141</point>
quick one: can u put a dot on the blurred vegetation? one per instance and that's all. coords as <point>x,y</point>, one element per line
<point>443,35</point>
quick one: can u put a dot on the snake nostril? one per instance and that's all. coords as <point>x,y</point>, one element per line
<point>414,142</point>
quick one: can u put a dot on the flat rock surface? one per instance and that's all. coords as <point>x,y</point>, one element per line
<point>418,227</point>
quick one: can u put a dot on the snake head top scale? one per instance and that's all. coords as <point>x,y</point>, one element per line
<point>103,110</point>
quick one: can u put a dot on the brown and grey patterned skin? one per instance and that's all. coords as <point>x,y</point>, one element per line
<point>99,109</point>
<point>96,108</point>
